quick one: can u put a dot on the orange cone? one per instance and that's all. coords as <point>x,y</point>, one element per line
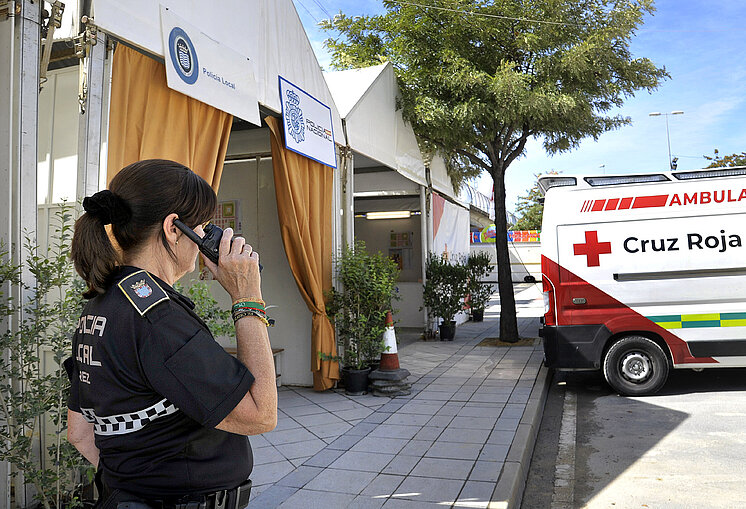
<point>389,357</point>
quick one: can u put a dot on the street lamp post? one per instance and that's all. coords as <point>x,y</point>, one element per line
<point>668,138</point>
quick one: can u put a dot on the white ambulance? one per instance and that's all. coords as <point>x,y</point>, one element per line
<point>643,273</point>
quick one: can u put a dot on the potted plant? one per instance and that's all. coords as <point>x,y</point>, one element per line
<point>444,290</point>
<point>478,265</point>
<point>358,310</point>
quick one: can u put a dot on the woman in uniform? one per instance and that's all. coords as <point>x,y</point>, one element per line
<point>156,404</point>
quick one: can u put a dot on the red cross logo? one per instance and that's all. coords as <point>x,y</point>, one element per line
<point>592,248</point>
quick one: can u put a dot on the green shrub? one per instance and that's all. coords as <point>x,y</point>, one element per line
<point>42,321</point>
<point>218,320</point>
<point>359,311</point>
<point>445,287</point>
<point>478,265</point>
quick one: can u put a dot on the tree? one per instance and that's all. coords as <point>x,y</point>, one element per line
<point>478,78</point>
<point>530,209</point>
<point>726,161</point>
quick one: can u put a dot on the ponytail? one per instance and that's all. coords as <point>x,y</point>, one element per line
<point>93,254</point>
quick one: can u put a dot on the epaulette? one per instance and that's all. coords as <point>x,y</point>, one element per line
<point>142,291</point>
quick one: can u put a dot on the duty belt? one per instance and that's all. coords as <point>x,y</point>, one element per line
<point>236,498</point>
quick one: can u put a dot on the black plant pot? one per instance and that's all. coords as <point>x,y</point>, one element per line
<point>477,315</point>
<point>447,330</point>
<point>355,380</point>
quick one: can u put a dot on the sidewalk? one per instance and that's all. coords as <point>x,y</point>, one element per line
<point>463,438</point>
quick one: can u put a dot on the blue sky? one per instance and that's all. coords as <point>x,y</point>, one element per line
<point>702,44</point>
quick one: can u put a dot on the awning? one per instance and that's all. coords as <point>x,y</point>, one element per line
<point>375,128</point>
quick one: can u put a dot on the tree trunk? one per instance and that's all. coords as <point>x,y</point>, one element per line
<point>508,320</point>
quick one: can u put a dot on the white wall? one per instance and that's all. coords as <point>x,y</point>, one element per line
<point>525,259</point>
<point>377,237</point>
<point>252,183</point>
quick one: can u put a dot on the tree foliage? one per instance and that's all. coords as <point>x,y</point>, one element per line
<point>478,78</point>
<point>726,161</point>
<point>530,209</point>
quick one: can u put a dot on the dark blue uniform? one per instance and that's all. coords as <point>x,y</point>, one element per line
<point>150,377</point>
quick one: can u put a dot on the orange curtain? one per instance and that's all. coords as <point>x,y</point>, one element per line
<point>304,206</point>
<point>148,120</point>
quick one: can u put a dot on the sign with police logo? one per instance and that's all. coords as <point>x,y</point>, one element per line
<point>202,68</point>
<point>308,124</point>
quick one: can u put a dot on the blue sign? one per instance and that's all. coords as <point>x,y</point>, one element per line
<point>307,124</point>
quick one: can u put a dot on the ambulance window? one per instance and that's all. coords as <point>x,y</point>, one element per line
<point>546,183</point>
<point>631,179</point>
<point>722,172</point>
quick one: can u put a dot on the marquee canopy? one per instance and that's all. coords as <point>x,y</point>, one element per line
<point>268,32</point>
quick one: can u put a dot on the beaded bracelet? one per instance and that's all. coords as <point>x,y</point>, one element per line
<point>248,305</point>
<point>243,314</point>
<point>250,299</point>
<point>251,311</point>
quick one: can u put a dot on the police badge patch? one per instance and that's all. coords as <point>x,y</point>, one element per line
<point>142,291</point>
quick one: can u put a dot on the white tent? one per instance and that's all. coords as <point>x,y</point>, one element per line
<point>390,175</point>
<point>268,32</point>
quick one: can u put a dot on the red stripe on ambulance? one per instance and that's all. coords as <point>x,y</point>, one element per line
<point>629,202</point>
<point>601,308</point>
<point>644,202</point>
<point>612,204</point>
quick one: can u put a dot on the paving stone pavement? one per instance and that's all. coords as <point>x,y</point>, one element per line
<point>462,439</point>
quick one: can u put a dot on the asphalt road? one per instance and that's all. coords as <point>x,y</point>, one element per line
<point>685,447</point>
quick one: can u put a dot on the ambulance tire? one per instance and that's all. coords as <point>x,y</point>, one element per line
<point>636,366</point>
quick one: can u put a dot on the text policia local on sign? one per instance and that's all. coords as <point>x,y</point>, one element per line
<point>693,241</point>
<point>217,78</point>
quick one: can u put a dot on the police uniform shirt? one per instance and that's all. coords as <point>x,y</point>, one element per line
<point>150,377</point>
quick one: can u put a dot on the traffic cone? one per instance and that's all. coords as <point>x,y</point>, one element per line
<point>389,378</point>
<point>389,357</point>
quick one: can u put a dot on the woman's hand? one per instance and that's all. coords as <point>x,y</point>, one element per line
<point>238,267</point>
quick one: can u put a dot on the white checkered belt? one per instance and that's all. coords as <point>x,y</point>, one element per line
<point>128,423</point>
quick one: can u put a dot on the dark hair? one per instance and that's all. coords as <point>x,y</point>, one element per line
<point>138,200</point>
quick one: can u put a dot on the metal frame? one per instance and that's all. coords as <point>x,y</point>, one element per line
<point>19,69</point>
<point>94,74</point>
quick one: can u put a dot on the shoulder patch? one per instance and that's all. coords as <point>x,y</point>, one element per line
<point>142,291</point>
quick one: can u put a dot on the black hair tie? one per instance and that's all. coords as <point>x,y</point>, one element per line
<point>108,207</point>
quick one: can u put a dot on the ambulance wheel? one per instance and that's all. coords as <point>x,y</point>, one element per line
<point>636,366</point>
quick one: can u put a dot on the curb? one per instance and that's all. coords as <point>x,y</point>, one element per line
<point>512,481</point>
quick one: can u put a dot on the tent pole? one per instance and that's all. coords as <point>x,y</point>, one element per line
<point>92,104</point>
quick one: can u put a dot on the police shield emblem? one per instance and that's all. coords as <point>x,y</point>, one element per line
<point>184,56</point>
<point>142,289</point>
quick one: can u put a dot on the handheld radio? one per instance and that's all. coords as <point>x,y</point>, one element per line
<point>208,244</point>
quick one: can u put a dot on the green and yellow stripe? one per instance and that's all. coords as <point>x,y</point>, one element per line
<point>700,320</point>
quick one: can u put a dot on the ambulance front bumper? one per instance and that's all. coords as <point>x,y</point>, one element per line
<point>574,346</point>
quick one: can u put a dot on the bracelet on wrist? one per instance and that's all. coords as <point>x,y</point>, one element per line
<point>248,305</point>
<point>267,322</point>
<point>249,299</point>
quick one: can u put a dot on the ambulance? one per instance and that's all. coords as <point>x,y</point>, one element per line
<point>644,273</point>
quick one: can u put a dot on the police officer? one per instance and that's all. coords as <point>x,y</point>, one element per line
<point>156,404</point>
